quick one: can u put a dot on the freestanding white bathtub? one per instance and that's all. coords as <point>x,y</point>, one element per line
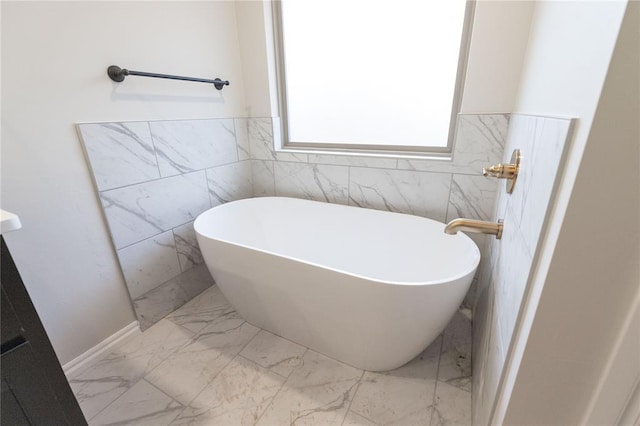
<point>369,288</point>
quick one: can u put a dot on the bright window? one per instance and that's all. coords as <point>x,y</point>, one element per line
<point>371,74</point>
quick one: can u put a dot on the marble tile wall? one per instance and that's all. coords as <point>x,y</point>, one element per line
<point>430,188</point>
<point>437,189</point>
<point>505,271</point>
<point>153,179</point>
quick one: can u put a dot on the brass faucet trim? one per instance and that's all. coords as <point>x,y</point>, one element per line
<point>477,226</point>
<point>506,171</point>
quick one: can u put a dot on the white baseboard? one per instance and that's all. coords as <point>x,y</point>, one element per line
<point>101,348</point>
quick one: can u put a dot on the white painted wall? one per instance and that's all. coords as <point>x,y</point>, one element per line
<point>254,51</point>
<point>621,377</point>
<point>54,60</point>
<point>586,271</point>
<point>498,44</point>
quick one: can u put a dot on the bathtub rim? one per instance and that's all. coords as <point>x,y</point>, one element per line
<point>449,279</point>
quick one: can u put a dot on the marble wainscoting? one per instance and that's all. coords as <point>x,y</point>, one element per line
<point>153,179</point>
<point>204,365</point>
<point>505,272</point>
<point>438,189</point>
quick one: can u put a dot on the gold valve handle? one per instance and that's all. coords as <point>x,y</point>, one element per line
<point>505,171</point>
<point>501,171</point>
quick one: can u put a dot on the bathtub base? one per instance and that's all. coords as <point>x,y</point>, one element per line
<point>370,326</point>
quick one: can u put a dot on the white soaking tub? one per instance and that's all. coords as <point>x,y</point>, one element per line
<point>366,287</point>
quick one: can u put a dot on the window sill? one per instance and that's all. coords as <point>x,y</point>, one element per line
<point>355,153</point>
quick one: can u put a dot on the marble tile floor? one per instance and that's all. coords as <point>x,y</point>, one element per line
<point>204,365</point>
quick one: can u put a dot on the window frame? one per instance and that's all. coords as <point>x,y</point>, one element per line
<point>347,148</point>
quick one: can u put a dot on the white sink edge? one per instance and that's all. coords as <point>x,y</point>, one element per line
<point>9,222</point>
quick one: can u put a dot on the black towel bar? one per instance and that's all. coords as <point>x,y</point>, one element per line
<point>118,74</point>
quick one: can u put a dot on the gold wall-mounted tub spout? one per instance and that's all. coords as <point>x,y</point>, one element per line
<point>506,171</point>
<point>477,226</point>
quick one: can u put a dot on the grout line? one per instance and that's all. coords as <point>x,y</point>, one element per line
<point>209,191</point>
<point>301,362</point>
<point>280,389</point>
<point>435,386</point>
<point>446,214</point>
<point>235,139</point>
<point>193,333</point>
<point>146,373</point>
<point>266,368</point>
<point>349,186</point>
<point>166,394</point>
<point>164,120</point>
<point>155,235</point>
<point>248,341</point>
<point>346,413</point>
<point>210,381</point>
<point>356,155</point>
<point>273,169</point>
<point>382,169</point>
<point>288,340</point>
<point>217,374</point>
<point>271,402</point>
<point>433,403</point>
<point>275,178</point>
<point>167,282</point>
<point>155,151</point>
<point>364,417</point>
<point>175,249</point>
<point>119,396</point>
<point>171,176</point>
